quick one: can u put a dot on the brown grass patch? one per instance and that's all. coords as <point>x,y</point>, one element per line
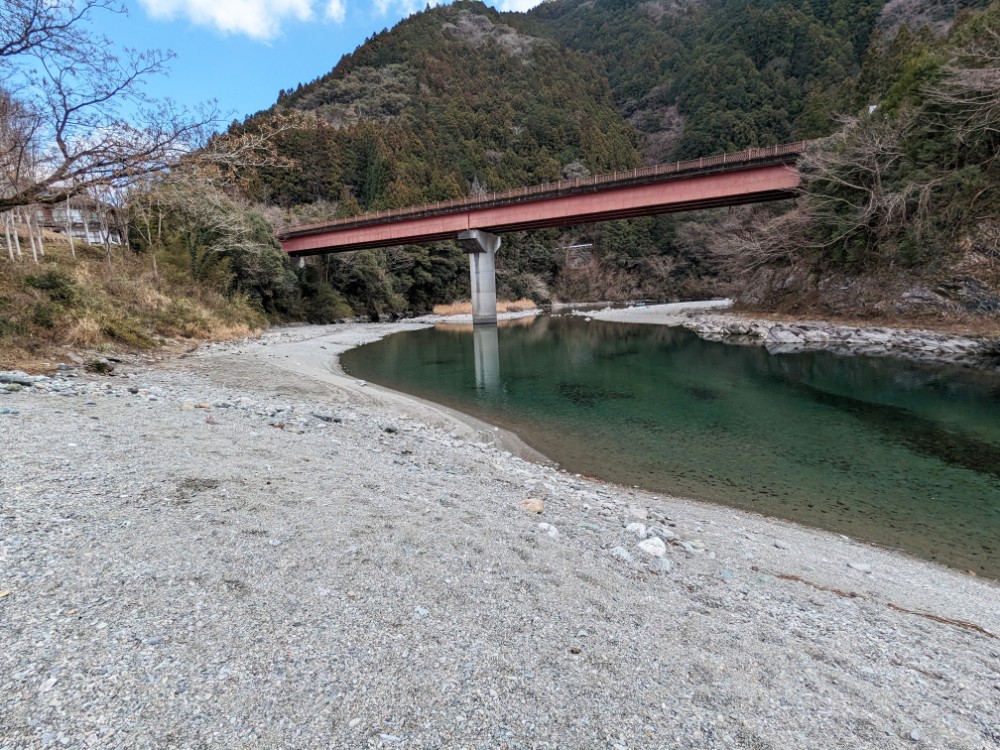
<point>503,306</point>
<point>92,303</point>
<point>83,332</point>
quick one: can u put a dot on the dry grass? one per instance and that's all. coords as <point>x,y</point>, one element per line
<point>88,303</point>
<point>525,322</point>
<point>503,306</point>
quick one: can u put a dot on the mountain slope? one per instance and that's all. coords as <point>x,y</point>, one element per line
<point>733,73</point>
<point>450,101</point>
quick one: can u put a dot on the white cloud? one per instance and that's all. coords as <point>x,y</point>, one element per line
<point>403,7</point>
<point>336,10</point>
<point>260,19</point>
<point>518,5</point>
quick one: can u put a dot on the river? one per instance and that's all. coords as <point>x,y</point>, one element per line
<point>898,453</point>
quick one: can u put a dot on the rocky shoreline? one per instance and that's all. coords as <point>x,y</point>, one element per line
<point>782,337</point>
<point>246,547</point>
<point>875,341</point>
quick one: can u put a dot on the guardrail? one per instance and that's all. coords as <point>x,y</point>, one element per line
<point>580,184</point>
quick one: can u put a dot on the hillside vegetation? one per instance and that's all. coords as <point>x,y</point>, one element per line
<point>900,213</point>
<point>91,302</point>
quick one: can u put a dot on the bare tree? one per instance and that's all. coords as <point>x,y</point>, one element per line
<point>854,186</point>
<point>27,25</point>
<point>80,116</point>
<point>970,92</point>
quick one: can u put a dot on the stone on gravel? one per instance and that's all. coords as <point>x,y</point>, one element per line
<point>663,532</point>
<point>549,529</point>
<point>533,505</point>
<point>636,529</point>
<point>653,546</point>
<point>661,565</point>
<point>861,567</point>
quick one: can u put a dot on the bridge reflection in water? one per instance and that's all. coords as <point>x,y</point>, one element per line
<point>487,353</point>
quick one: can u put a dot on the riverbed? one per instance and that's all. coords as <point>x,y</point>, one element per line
<point>246,548</point>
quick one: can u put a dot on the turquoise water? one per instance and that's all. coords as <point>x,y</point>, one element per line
<point>901,454</point>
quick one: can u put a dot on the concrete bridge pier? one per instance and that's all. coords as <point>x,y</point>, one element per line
<point>482,247</point>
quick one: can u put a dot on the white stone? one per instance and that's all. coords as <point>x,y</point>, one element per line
<point>549,529</point>
<point>653,546</point>
<point>636,529</point>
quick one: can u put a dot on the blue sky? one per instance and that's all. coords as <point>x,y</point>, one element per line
<point>241,52</point>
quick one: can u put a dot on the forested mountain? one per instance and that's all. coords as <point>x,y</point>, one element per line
<point>723,74</point>
<point>898,215</point>
<point>450,101</point>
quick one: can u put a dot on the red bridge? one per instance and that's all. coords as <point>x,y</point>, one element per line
<point>751,176</point>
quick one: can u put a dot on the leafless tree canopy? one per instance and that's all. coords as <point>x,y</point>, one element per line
<point>43,25</point>
<point>851,184</point>
<point>73,112</point>
<point>970,92</point>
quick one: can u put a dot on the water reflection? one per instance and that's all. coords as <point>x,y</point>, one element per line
<point>486,346</point>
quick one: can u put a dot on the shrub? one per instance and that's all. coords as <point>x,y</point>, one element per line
<point>58,284</point>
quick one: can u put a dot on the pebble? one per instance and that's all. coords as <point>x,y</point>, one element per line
<point>8,410</point>
<point>661,565</point>
<point>663,532</point>
<point>862,567</point>
<point>549,529</point>
<point>780,544</point>
<point>533,505</point>
<point>636,529</point>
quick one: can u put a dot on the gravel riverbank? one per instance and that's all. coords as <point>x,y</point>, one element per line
<point>245,548</point>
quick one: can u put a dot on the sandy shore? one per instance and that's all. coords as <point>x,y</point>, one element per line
<point>247,548</point>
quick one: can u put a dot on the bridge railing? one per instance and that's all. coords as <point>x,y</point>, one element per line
<point>580,184</point>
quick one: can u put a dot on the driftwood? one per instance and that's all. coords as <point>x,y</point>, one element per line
<point>970,626</point>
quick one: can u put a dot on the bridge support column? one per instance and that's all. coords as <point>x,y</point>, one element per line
<point>482,247</point>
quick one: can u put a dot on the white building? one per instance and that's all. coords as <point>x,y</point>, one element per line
<point>85,219</point>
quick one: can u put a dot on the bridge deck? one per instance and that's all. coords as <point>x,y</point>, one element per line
<point>731,179</point>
